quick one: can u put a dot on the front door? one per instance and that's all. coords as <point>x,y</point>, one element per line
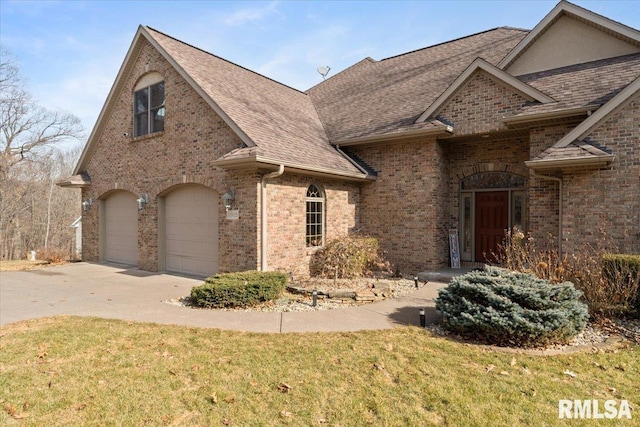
<point>492,219</point>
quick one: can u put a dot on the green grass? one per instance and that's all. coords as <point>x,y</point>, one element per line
<point>79,371</point>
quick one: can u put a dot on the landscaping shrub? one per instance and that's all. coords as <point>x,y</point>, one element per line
<point>239,289</point>
<point>623,273</point>
<point>345,257</point>
<point>608,291</point>
<point>510,308</point>
<point>52,255</point>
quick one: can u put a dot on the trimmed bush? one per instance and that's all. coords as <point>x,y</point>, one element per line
<point>239,289</point>
<point>508,308</point>
<point>345,257</point>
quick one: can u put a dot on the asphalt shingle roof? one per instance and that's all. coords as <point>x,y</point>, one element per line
<point>375,98</point>
<point>583,85</point>
<point>281,121</point>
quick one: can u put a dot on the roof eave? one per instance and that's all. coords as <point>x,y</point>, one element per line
<point>548,115</point>
<point>569,162</point>
<point>70,182</point>
<point>269,163</point>
<point>394,136</point>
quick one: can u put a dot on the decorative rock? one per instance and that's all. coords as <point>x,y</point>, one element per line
<point>341,294</point>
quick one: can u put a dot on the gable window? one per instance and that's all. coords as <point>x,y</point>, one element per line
<point>148,109</point>
<point>315,216</point>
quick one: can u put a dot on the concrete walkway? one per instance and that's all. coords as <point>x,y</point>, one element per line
<point>107,291</point>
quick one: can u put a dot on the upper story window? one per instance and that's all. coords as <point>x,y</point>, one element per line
<point>148,105</point>
<point>315,216</point>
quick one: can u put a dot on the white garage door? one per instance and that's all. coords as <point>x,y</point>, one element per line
<point>192,231</point>
<point>121,228</point>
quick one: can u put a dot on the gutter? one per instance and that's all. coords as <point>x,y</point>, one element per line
<point>570,161</point>
<point>263,214</point>
<point>264,162</point>
<point>558,114</point>
<point>397,135</point>
<point>559,181</point>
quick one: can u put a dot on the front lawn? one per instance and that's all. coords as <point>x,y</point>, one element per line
<point>79,371</point>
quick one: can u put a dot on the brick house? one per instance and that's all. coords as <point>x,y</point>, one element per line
<point>197,165</point>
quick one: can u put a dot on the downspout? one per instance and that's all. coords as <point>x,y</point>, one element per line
<point>263,213</point>
<point>559,181</point>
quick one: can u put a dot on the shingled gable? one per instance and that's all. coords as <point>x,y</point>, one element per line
<point>572,150</point>
<point>480,65</point>
<point>278,124</point>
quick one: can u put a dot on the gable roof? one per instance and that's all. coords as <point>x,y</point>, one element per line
<point>279,123</point>
<point>564,8</point>
<point>573,149</point>
<point>480,64</point>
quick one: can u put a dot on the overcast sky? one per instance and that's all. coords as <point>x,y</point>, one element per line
<point>70,51</point>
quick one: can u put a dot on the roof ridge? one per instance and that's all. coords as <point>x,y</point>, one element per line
<point>454,40</point>
<point>225,60</point>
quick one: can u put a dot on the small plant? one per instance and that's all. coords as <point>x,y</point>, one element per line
<point>52,255</point>
<point>345,257</point>
<point>509,308</point>
<point>239,289</point>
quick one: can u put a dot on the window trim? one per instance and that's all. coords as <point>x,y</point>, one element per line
<point>315,195</point>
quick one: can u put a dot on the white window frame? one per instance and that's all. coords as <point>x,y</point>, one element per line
<point>315,215</point>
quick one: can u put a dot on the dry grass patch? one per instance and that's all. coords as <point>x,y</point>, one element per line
<point>78,371</point>
<point>22,265</point>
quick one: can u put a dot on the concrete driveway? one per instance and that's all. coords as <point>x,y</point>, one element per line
<point>108,291</point>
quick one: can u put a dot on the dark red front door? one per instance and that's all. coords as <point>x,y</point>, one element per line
<point>492,219</point>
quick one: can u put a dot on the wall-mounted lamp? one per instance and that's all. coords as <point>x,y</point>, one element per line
<point>142,201</point>
<point>87,204</point>
<point>227,198</point>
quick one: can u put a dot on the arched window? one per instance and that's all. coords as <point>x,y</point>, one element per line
<point>148,105</point>
<point>315,216</point>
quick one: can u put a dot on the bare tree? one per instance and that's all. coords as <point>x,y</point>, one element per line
<point>30,137</point>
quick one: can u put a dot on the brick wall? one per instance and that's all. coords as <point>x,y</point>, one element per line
<point>194,136</point>
<point>286,220</point>
<point>544,194</point>
<point>480,105</point>
<point>607,199</point>
<point>404,207</point>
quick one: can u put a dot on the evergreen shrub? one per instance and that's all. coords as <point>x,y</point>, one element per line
<point>345,257</point>
<point>508,308</point>
<point>242,289</point>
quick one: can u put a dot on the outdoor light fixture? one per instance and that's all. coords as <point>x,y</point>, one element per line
<point>423,320</point>
<point>86,204</point>
<point>142,201</point>
<point>227,198</point>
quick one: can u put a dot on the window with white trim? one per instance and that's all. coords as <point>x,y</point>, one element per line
<point>315,216</point>
<point>148,109</point>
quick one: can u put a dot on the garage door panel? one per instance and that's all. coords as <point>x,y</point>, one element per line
<point>191,231</point>
<point>121,228</point>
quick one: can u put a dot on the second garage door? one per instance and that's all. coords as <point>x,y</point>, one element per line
<point>191,215</point>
